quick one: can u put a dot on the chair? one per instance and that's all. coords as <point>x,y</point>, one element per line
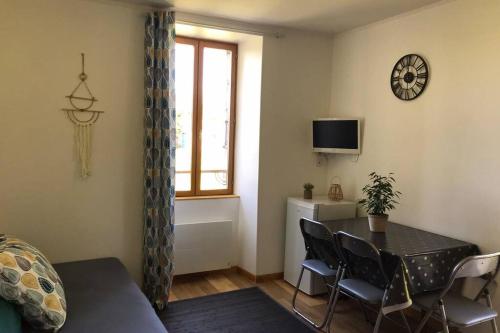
<point>321,259</point>
<point>357,288</point>
<point>457,310</point>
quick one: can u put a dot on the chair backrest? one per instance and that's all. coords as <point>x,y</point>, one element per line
<point>475,266</point>
<point>350,244</point>
<point>319,242</point>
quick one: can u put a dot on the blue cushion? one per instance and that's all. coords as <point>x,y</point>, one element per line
<point>10,320</point>
<point>319,267</point>
<point>362,290</point>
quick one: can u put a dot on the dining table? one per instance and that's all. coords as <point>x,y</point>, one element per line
<point>414,260</point>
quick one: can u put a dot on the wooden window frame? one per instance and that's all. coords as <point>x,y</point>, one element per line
<point>199,45</point>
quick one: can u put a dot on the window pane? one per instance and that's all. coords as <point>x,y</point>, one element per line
<point>184,79</point>
<point>216,118</point>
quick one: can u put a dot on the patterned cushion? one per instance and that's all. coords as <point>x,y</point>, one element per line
<point>29,280</point>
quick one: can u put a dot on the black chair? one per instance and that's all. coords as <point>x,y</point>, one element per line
<point>357,288</point>
<point>321,259</point>
<point>457,310</point>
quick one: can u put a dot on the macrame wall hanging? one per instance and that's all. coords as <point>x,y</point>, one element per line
<point>83,117</point>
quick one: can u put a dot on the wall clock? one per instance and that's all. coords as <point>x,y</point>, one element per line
<point>409,77</point>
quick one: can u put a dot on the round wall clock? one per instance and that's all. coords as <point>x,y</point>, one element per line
<point>409,77</point>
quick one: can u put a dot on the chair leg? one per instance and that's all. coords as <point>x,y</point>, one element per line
<point>297,286</point>
<point>329,310</point>
<point>493,321</point>
<point>336,293</point>
<point>444,320</point>
<point>423,321</point>
<point>329,321</point>
<point>405,321</point>
<point>378,322</point>
<point>294,307</point>
<point>494,326</point>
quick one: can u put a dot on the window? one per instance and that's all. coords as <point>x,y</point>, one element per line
<point>205,87</point>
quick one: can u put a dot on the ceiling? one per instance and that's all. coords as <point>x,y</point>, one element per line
<point>329,16</point>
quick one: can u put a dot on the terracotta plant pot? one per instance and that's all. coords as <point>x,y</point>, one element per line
<point>378,223</point>
<point>308,194</point>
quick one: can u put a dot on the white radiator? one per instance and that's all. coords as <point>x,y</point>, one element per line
<point>203,246</point>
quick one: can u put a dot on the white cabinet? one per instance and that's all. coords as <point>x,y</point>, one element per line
<point>318,209</point>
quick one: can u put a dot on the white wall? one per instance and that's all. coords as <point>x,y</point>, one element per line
<point>42,199</point>
<point>246,161</point>
<point>295,90</point>
<point>443,145</point>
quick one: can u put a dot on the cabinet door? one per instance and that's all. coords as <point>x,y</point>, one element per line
<point>295,251</point>
<point>294,244</point>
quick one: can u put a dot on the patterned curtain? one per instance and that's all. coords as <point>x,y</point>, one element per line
<point>159,157</point>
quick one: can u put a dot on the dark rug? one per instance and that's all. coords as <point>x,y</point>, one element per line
<point>245,310</point>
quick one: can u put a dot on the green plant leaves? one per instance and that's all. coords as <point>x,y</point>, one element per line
<point>308,186</point>
<point>380,194</point>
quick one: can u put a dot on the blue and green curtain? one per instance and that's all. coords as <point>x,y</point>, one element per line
<point>159,156</point>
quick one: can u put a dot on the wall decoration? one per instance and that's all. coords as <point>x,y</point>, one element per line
<point>335,192</point>
<point>83,117</point>
<point>409,77</point>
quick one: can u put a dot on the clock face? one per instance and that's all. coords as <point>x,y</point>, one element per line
<point>409,77</point>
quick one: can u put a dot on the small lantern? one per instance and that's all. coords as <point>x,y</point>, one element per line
<point>335,192</point>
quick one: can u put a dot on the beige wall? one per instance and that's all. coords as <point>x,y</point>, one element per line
<point>443,146</point>
<point>295,90</point>
<point>42,199</point>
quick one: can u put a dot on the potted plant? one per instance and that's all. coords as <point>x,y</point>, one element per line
<point>380,198</point>
<point>308,193</point>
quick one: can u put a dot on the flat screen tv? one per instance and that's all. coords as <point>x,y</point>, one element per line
<point>336,135</point>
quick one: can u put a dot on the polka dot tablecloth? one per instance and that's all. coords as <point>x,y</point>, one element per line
<point>414,260</point>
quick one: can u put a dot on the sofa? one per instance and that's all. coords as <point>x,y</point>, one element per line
<point>102,298</point>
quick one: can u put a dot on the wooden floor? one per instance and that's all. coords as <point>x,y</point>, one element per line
<point>348,316</point>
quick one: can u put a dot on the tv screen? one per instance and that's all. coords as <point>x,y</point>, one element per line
<point>336,135</point>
